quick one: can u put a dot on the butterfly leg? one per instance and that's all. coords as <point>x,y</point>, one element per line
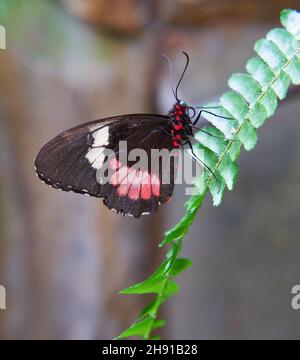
<point>211,113</point>
<point>208,133</point>
<point>199,160</point>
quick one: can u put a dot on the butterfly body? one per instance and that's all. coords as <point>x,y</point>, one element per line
<point>181,123</point>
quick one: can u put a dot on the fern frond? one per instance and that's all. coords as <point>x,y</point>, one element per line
<point>253,98</point>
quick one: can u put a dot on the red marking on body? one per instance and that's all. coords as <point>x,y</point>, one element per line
<point>178,127</point>
<point>155,185</point>
<point>134,192</point>
<point>146,186</point>
<point>118,176</point>
<point>176,154</point>
<point>114,164</point>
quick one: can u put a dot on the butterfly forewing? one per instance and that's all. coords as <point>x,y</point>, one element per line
<point>77,159</point>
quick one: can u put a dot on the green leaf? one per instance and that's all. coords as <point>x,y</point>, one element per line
<point>269,101</point>
<point>254,99</point>
<point>258,115</point>
<point>246,86</point>
<point>158,324</point>
<point>178,231</point>
<point>234,150</point>
<point>206,156</point>
<point>216,184</point>
<point>136,329</point>
<point>172,254</point>
<point>192,205</point>
<point>148,309</point>
<point>270,53</point>
<point>226,126</point>
<point>290,19</point>
<point>181,265</point>
<point>228,170</point>
<point>174,251</point>
<point>214,142</point>
<point>152,284</point>
<point>284,41</point>
<point>200,183</point>
<point>293,70</point>
<point>145,287</point>
<point>248,135</point>
<point>281,85</point>
<point>217,190</point>
<point>171,288</point>
<point>260,71</point>
<point>236,105</point>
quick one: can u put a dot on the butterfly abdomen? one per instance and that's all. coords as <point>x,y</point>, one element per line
<point>180,121</point>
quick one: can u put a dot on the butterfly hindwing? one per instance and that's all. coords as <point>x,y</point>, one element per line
<point>73,160</point>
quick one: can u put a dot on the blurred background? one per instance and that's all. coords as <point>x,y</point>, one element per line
<point>64,257</point>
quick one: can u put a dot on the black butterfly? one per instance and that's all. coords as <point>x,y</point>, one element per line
<point>71,160</point>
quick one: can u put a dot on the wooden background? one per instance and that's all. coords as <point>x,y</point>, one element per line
<point>63,257</point>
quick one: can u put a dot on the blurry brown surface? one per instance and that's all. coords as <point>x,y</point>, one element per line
<point>131,16</point>
<point>205,12</point>
<point>121,16</point>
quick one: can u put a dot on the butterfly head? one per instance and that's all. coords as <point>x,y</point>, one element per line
<point>179,108</point>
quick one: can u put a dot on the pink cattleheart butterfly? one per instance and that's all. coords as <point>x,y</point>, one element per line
<point>71,160</point>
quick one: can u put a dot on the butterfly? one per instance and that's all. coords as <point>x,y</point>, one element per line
<point>73,160</point>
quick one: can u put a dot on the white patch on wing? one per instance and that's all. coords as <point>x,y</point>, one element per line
<point>101,136</point>
<point>96,157</point>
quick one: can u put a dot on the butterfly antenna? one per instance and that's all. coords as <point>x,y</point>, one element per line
<point>182,75</point>
<point>168,61</point>
<point>208,107</point>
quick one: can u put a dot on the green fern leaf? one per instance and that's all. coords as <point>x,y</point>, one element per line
<point>252,99</point>
<point>137,329</point>
<point>180,265</point>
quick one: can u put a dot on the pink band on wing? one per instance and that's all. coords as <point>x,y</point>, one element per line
<point>114,164</point>
<point>129,178</point>
<point>123,190</point>
<point>155,185</point>
<point>125,184</point>
<point>134,192</point>
<point>118,176</point>
<point>146,186</point>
